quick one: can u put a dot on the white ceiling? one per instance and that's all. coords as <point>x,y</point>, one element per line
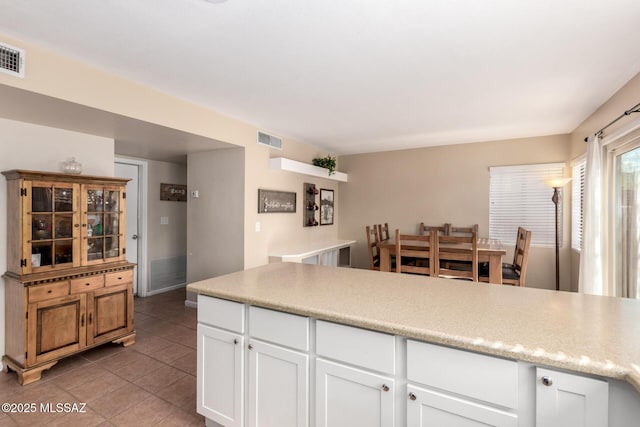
<point>357,76</point>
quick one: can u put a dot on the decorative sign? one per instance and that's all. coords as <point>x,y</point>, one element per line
<point>326,206</point>
<point>173,192</point>
<point>276,201</point>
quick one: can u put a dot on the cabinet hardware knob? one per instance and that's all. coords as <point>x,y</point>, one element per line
<point>119,278</point>
<point>235,341</point>
<point>385,387</point>
<point>90,318</point>
<point>76,225</point>
<point>250,347</point>
<point>412,396</point>
<point>82,320</point>
<point>547,381</point>
<point>49,291</point>
<point>87,284</point>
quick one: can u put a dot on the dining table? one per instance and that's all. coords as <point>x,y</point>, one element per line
<point>489,250</point>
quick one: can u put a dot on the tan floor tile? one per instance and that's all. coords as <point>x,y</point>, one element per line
<point>63,366</point>
<point>100,352</point>
<point>160,379</point>
<point>180,418</point>
<point>187,363</point>
<point>119,400</point>
<point>147,413</point>
<point>150,344</point>
<point>171,352</point>
<point>187,337</point>
<point>89,418</point>
<point>97,387</point>
<point>131,365</point>
<point>79,376</point>
<point>182,393</point>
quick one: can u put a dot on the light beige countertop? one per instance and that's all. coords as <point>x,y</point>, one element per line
<point>582,333</point>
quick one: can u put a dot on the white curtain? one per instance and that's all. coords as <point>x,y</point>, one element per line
<point>593,266</point>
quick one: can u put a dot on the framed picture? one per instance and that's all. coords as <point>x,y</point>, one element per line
<point>173,192</point>
<point>270,201</point>
<point>326,206</point>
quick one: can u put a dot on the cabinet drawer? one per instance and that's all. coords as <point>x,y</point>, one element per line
<point>369,349</point>
<point>118,278</point>
<point>486,378</point>
<point>279,328</point>
<point>221,313</point>
<point>48,291</point>
<point>88,283</point>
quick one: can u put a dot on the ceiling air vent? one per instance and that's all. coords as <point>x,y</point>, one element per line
<point>11,60</point>
<point>270,140</point>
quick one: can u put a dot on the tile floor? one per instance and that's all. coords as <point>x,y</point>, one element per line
<point>151,383</point>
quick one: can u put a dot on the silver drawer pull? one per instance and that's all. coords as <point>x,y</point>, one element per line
<point>547,381</point>
<point>412,396</point>
<point>385,387</point>
<point>235,341</point>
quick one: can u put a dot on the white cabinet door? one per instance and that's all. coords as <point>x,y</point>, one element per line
<point>428,408</point>
<point>220,376</point>
<point>347,397</point>
<point>570,400</point>
<point>278,386</point>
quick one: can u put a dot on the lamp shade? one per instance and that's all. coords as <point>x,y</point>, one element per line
<point>557,182</point>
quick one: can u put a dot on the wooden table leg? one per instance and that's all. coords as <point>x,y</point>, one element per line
<point>385,259</point>
<point>495,269</point>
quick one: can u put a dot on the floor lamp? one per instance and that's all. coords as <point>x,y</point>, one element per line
<point>557,184</point>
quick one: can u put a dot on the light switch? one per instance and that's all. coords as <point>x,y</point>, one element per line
<point>195,194</point>
<point>164,220</point>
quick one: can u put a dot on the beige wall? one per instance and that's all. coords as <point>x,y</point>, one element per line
<point>170,240</point>
<point>444,184</point>
<point>26,146</point>
<point>215,243</point>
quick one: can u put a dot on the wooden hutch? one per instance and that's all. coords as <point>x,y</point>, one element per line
<point>68,286</point>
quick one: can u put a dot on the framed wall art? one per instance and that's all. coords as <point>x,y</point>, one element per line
<point>270,201</point>
<point>173,192</point>
<point>326,206</point>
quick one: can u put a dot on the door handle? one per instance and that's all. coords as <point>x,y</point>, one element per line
<point>134,237</point>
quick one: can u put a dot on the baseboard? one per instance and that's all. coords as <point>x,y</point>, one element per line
<point>167,289</point>
<point>190,304</point>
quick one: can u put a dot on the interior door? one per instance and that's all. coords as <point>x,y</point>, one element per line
<point>131,171</point>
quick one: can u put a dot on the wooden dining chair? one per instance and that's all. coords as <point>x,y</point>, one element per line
<point>451,229</point>
<point>383,232</point>
<point>414,253</point>
<point>456,256</point>
<point>372,247</point>
<point>515,273</point>
<point>429,228</point>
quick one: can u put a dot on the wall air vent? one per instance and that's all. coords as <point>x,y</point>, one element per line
<point>11,60</point>
<point>270,140</point>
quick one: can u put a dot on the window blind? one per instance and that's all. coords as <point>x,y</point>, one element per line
<point>577,203</point>
<point>519,197</point>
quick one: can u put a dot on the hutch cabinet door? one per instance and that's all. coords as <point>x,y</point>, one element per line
<point>109,313</point>
<point>50,226</point>
<point>56,327</point>
<point>102,224</point>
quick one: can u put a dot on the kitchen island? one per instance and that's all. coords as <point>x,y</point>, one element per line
<point>416,348</point>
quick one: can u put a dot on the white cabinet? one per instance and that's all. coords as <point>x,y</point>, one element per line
<point>347,397</point>
<point>220,361</point>
<point>570,400</point>
<point>220,375</point>
<point>459,388</point>
<point>278,386</point>
<point>431,408</point>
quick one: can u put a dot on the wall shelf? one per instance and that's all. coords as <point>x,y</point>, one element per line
<point>285,164</point>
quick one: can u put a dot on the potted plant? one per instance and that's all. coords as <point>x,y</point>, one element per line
<point>327,162</point>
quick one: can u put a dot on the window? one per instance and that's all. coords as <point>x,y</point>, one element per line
<point>519,197</point>
<point>627,220</point>
<point>577,203</point>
